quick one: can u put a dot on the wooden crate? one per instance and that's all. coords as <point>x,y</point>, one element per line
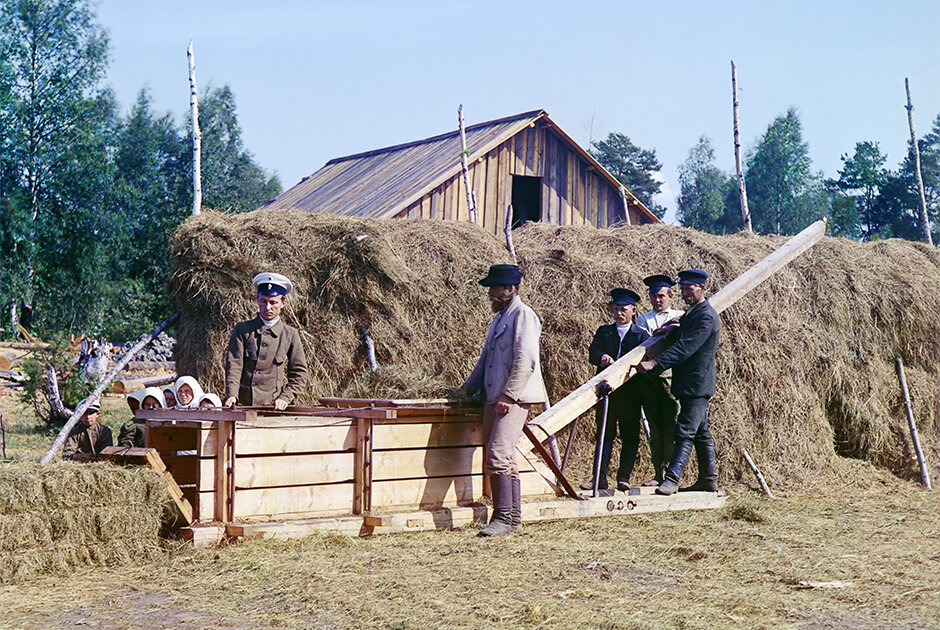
<point>371,456</point>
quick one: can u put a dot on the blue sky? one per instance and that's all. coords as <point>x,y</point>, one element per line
<point>317,80</point>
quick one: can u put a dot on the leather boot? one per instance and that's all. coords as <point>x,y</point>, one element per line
<point>680,455</point>
<point>605,465</point>
<point>501,523</point>
<point>707,468</point>
<point>656,480</point>
<point>627,460</point>
<point>516,503</point>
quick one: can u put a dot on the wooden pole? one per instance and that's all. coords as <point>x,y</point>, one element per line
<point>370,350</point>
<point>507,230</point>
<point>197,135</point>
<point>924,472</point>
<point>626,209</point>
<point>583,398</point>
<point>3,437</point>
<point>464,154</point>
<point>59,441</point>
<point>742,189</point>
<point>758,474</point>
<point>924,219</point>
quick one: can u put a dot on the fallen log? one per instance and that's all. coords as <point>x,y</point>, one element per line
<point>126,386</point>
<point>59,441</point>
<point>583,398</point>
<point>19,345</point>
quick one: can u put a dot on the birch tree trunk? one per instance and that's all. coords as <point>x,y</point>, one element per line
<point>742,189</point>
<point>507,230</point>
<point>626,207</point>
<point>464,154</point>
<point>924,219</point>
<point>197,135</point>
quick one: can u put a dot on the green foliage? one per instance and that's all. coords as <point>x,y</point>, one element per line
<point>88,199</point>
<point>632,166</point>
<point>861,179</point>
<point>61,356</point>
<point>784,195</point>
<point>708,198</point>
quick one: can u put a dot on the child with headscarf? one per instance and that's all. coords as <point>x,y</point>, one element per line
<point>169,396</point>
<point>210,401</point>
<point>132,432</point>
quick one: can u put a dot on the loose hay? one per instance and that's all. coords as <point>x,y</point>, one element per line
<point>806,362</point>
<point>60,516</point>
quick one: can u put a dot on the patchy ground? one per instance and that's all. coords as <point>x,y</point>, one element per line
<point>871,543</point>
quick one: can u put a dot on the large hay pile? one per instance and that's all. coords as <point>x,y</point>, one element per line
<point>806,363</point>
<point>59,516</point>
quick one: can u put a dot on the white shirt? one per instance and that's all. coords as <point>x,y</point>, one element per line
<point>271,323</point>
<point>652,320</point>
<point>622,330</point>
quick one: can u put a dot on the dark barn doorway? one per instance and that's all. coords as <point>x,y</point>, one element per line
<point>526,199</point>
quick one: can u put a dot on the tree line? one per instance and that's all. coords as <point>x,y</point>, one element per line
<point>866,201</point>
<point>88,196</point>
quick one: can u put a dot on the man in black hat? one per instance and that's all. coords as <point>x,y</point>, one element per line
<point>612,341</point>
<point>265,363</point>
<point>658,404</point>
<point>509,374</point>
<point>692,359</point>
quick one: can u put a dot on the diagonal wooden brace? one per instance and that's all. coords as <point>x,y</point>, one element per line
<point>550,462</point>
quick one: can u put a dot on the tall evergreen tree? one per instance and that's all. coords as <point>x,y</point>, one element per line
<point>861,179</point>
<point>704,190</point>
<point>632,166</point>
<point>783,193</point>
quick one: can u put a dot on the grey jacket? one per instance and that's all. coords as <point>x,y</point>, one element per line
<point>509,363</point>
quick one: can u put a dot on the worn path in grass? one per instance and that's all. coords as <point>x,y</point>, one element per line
<point>739,567</point>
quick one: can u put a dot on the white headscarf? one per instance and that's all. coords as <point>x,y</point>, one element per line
<point>138,395</point>
<point>194,385</point>
<point>155,393</point>
<point>213,398</point>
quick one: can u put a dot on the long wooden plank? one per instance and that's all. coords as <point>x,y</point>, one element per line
<point>284,470</point>
<point>432,462</point>
<point>323,500</point>
<point>583,398</point>
<point>285,530</point>
<point>393,436</point>
<point>286,440</point>
<point>444,491</point>
<point>444,518</point>
<point>620,504</point>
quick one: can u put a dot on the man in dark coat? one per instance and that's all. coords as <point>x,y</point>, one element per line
<point>692,359</point>
<point>612,341</point>
<point>265,363</point>
<point>89,437</point>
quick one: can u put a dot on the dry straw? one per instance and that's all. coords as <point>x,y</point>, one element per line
<point>806,362</point>
<point>56,517</point>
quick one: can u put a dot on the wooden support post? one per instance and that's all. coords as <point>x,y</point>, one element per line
<point>507,230</point>
<point>583,398</point>
<point>626,206</point>
<point>924,472</point>
<point>464,154</point>
<point>362,467</point>
<point>757,473</point>
<point>550,461</point>
<point>197,134</point>
<point>225,471</point>
<point>742,189</point>
<point>924,219</point>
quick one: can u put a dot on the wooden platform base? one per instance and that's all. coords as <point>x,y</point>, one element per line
<point>617,504</point>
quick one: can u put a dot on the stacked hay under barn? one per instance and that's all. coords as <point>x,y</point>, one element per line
<point>56,517</point>
<point>806,362</point>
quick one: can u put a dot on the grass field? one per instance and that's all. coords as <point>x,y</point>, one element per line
<point>869,542</point>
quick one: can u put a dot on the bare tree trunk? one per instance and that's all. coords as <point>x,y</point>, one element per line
<point>507,230</point>
<point>370,350</point>
<point>464,154</point>
<point>59,441</point>
<point>14,319</point>
<point>924,219</point>
<point>57,407</point>
<point>742,190</point>
<point>197,135</point>
<point>924,472</point>
<point>626,208</point>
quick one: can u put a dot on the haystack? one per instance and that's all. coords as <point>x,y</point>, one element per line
<point>60,516</point>
<point>806,362</point>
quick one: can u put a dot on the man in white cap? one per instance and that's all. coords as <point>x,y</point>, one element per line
<point>88,437</point>
<point>265,363</point>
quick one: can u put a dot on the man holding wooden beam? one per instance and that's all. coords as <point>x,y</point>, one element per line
<point>692,360</point>
<point>510,375</point>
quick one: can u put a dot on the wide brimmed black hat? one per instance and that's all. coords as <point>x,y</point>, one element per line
<point>623,296</point>
<point>502,276</point>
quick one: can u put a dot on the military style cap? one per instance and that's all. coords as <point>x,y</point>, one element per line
<point>95,405</point>
<point>271,284</point>
<point>657,282</point>
<point>623,296</point>
<point>692,276</point>
<point>502,276</point>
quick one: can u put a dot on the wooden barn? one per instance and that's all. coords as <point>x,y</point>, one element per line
<point>524,161</point>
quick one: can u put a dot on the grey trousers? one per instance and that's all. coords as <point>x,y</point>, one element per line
<point>501,433</point>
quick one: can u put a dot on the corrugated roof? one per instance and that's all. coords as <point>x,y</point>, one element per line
<point>383,182</point>
<point>380,183</point>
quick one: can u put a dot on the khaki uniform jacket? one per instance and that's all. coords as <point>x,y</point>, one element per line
<point>91,440</point>
<point>509,363</point>
<point>264,364</point>
<point>132,434</point>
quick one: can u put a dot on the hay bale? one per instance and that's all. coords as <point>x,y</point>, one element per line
<point>56,517</point>
<point>806,363</point>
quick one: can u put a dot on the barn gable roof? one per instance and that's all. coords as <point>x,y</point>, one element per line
<point>383,182</point>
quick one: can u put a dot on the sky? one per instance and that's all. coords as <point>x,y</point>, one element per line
<point>317,80</point>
